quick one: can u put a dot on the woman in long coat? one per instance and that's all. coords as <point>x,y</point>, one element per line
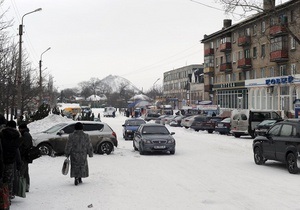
<point>78,147</point>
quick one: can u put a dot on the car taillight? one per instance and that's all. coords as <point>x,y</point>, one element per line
<point>114,134</point>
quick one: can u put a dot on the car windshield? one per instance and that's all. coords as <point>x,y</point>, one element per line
<point>55,128</point>
<point>155,130</point>
<point>135,122</point>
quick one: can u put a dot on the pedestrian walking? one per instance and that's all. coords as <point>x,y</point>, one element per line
<point>10,140</point>
<point>78,147</point>
<point>26,144</point>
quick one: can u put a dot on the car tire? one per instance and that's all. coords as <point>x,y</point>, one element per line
<point>172,152</point>
<point>291,163</point>
<point>210,131</point>
<point>105,148</point>
<point>134,147</point>
<point>46,149</point>
<point>258,158</point>
<point>141,150</point>
<point>236,135</point>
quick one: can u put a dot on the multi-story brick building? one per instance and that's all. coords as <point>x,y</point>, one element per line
<point>184,86</point>
<point>254,63</point>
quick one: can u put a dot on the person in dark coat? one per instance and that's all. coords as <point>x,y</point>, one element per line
<point>78,147</point>
<point>10,140</point>
<point>26,144</point>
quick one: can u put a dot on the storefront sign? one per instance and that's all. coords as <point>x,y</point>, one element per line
<point>281,80</point>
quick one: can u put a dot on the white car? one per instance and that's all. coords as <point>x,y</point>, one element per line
<point>109,111</point>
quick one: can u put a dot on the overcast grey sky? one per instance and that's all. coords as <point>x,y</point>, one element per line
<point>135,39</point>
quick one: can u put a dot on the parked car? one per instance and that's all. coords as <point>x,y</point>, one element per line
<point>280,143</point>
<point>53,140</point>
<point>187,122</point>
<point>151,116</point>
<point>158,120</point>
<point>176,122</point>
<point>198,121</point>
<point>167,119</point>
<point>209,124</point>
<point>152,137</point>
<point>130,126</point>
<point>223,127</point>
<point>264,126</point>
<point>243,121</point>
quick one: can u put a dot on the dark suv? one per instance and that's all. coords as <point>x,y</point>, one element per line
<point>280,143</point>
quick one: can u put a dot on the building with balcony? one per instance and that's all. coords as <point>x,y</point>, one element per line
<point>254,63</point>
<point>184,86</point>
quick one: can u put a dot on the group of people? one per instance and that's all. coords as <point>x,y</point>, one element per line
<point>15,142</point>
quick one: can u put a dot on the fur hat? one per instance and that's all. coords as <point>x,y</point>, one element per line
<point>78,126</point>
<point>11,124</point>
<point>23,126</point>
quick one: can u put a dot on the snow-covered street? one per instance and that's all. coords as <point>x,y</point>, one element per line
<point>208,171</point>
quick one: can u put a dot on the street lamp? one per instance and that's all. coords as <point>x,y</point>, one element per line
<point>155,82</point>
<point>41,80</point>
<point>19,69</point>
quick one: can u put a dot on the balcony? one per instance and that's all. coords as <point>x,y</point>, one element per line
<point>225,67</point>
<point>245,63</point>
<point>244,41</point>
<point>208,70</point>
<point>279,56</point>
<point>208,88</point>
<point>278,30</point>
<point>208,52</point>
<point>225,47</point>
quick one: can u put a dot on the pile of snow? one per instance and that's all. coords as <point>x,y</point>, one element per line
<point>47,122</point>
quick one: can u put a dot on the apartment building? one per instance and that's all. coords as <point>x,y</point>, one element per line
<point>254,63</point>
<point>184,86</point>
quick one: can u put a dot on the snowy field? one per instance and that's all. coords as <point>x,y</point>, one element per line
<point>208,171</point>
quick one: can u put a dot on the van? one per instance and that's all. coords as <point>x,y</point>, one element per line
<point>243,121</point>
<point>109,111</point>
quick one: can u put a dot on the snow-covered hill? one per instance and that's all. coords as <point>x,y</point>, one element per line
<point>115,82</point>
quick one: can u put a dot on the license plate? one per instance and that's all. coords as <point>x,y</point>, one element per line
<point>220,125</point>
<point>159,147</point>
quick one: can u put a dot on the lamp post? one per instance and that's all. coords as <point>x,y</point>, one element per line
<point>155,82</point>
<point>41,80</point>
<point>19,70</point>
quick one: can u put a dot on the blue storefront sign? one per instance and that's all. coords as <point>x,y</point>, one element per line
<point>281,80</point>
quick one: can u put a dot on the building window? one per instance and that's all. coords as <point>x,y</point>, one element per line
<point>263,50</point>
<point>228,57</point>
<point>254,74</point>
<point>254,52</point>
<point>233,37</point>
<point>247,53</point>
<point>228,76</point>
<point>283,71</point>
<point>293,69</point>
<point>263,26</point>
<point>247,75</point>
<point>254,29</point>
<point>240,55</point>
<point>278,43</point>
<point>234,57</point>
<point>211,80</point>
<point>247,31</point>
<point>211,45</point>
<point>234,77</point>
<point>263,72</point>
<point>292,16</point>
<point>293,43</point>
<point>272,21</point>
<point>272,72</point>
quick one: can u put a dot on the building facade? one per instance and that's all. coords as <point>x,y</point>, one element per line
<point>184,86</point>
<point>254,64</point>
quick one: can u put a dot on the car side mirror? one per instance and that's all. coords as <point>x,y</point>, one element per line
<point>61,132</point>
<point>172,133</point>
